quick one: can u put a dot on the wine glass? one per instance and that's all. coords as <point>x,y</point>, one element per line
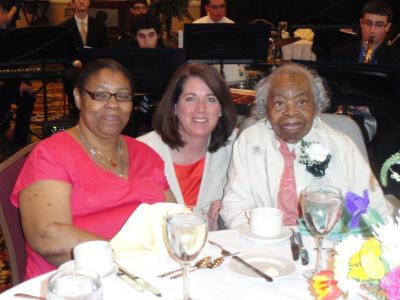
<point>185,234</point>
<point>322,208</point>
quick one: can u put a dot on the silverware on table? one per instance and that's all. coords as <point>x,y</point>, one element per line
<point>243,262</point>
<point>294,246</point>
<point>28,296</point>
<point>140,281</point>
<point>302,251</point>
<point>131,282</point>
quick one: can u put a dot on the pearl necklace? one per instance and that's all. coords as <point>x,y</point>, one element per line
<point>99,157</point>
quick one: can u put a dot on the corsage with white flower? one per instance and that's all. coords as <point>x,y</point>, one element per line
<point>315,157</point>
<point>388,167</point>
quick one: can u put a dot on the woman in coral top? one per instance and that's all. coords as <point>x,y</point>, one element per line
<point>84,183</point>
<point>194,131</point>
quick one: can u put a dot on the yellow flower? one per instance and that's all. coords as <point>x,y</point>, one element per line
<point>366,264</point>
<point>371,259</point>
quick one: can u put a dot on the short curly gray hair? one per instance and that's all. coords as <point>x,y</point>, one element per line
<point>322,101</point>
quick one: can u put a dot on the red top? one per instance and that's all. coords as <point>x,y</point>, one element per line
<point>101,202</point>
<point>189,178</point>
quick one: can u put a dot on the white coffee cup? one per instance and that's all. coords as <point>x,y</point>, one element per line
<point>265,222</point>
<point>95,255</point>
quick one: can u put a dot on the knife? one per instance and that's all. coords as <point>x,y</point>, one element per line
<point>140,281</point>
<point>302,251</point>
<point>294,246</point>
<point>243,262</point>
<point>131,282</point>
<point>254,269</point>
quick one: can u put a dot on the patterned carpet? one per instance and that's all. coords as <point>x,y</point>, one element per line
<point>57,108</point>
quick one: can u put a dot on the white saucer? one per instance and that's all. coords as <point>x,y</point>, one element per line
<point>70,264</point>
<point>274,266</point>
<point>244,230</point>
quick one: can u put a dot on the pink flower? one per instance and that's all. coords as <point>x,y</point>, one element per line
<point>391,284</point>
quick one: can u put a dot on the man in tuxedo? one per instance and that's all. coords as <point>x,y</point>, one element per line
<point>88,32</point>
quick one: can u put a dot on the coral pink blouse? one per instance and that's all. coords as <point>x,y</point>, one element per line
<point>101,202</point>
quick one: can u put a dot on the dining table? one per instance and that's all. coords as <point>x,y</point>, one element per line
<point>227,281</point>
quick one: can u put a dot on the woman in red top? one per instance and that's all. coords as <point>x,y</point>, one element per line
<point>84,183</point>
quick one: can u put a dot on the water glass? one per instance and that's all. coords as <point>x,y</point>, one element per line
<point>185,235</point>
<point>75,284</point>
<point>322,208</point>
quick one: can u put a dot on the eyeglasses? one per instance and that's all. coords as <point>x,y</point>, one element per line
<point>105,96</point>
<point>221,6</point>
<point>378,25</point>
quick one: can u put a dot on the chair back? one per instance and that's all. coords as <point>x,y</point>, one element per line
<point>9,215</point>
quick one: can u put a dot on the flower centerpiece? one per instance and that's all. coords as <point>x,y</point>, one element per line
<point>315,157</point>
<point>362,265</point>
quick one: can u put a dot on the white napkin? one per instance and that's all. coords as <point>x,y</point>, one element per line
<point>142,234</point>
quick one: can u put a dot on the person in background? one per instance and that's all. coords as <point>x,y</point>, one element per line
<point>87,32</point>
<point>18,92</point>
<point>145,33</point>
<point>83,183</point>
<point>269,159</point>
<point>193,133</point>
<point>216,13</point>
<point>380,128</point>
<point>375,23</point>
<point>138,7</point>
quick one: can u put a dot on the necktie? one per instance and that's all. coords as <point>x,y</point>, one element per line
<point>83,31</point>
<point>287,194</point>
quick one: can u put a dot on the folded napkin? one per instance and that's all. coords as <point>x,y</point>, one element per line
<point>341,229</point>
<point>142,234</point>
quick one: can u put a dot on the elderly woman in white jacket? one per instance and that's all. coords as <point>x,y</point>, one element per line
<point>274,159</point>
<point>194,131</point>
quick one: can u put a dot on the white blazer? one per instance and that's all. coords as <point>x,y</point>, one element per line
<point>215,171</point>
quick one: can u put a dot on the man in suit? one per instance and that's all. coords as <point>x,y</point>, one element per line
<point>375,23</point>
<point>88,31</point>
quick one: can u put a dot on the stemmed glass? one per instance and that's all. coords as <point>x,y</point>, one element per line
<point>185,235</point>
<point>322,208</point>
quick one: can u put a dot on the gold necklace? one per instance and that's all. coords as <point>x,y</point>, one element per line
<point>100,158</point>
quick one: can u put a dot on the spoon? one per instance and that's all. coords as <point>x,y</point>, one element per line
<point>210,265</point>
<point>201,263</point>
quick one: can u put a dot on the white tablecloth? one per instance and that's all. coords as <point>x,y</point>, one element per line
<point>220,283</point>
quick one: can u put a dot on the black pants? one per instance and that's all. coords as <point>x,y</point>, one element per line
<point>9,94</point>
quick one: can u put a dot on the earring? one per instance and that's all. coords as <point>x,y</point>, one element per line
<point>220,114</point>
<point>175,112</point>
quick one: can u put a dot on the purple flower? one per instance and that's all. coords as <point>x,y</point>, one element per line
<point>391,284</point>
<point>356,206</point>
